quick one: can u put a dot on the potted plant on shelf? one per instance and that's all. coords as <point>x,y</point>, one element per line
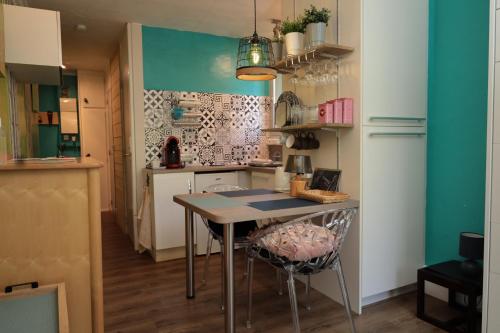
<point>294,36</point>
<point>277,44</point>
<point>316,22</point>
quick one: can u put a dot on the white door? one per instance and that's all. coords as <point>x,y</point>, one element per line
<point>91,93</point>
<point>395,41</point>
<point>93,125</point>
<point>202,181</point>
<point>393,207</point>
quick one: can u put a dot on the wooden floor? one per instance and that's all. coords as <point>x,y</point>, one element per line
<point>141,296</point>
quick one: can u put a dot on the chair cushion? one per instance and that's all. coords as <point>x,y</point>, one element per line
<point>300,241</point>
<point>241,229</point>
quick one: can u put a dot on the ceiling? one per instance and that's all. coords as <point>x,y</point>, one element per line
<point>105,20</point>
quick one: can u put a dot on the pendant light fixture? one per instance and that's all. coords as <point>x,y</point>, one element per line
<point>255,56</point>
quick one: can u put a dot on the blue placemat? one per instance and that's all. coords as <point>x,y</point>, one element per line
<point>244,193</point>
<point>282,204</point>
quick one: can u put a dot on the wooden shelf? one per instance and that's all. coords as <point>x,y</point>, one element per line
<point>307,127</point>
<point>323,51</point>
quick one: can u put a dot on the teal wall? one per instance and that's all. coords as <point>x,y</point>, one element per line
<point>189,61</point>
<point>50,136</point>
<point>456,151</point>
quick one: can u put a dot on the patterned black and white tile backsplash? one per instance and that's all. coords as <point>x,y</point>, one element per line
<point>228,131</point>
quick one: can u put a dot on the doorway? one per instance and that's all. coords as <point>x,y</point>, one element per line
<point>94,123</point>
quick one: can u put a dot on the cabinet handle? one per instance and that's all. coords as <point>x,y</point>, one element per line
<point>218,178</point>
<point>396,134</point>
<point>398,118</point>
<point>190,189</point>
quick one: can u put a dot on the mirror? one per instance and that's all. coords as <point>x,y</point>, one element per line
<point>69,115</point>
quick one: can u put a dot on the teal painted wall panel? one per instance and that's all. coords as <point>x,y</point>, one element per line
<point>190,61</point>
<point>48,135</point>
<point>458,82</point>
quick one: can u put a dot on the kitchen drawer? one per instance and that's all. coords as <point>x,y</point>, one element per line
<point>494,304</point>
<point>263,180</point>
<point>204,180</point>
<point>495,248</point>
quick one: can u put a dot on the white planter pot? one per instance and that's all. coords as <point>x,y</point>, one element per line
<point>277,51</point>
<point>294,43</point>
<point>315,33</point>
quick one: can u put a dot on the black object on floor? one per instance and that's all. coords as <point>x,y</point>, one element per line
<point>244,193</point>
<point>449,275</point>
<point>282,204</point>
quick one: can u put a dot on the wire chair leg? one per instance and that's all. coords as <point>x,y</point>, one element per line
<point>223,294</point>
<point>280,281</point>
<point>293,302</point>
<point>250,285</point>
<point>347,305</point>
<point>207,258</point>
<point>308,292</point>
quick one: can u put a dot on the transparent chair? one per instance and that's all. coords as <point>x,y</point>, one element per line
<point>333,223</point>
<point>215,231</point>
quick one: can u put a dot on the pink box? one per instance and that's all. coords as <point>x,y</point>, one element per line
<point>347,108</point>
<point>338,110</point>
<point>325,113</point>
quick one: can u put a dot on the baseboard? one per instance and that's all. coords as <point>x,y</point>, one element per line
<point>169,254</point>
<point>388,294</point>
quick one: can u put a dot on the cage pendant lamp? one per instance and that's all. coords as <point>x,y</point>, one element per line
<point>255,56</point>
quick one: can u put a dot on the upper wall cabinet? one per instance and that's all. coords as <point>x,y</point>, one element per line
<point>33,44</point>
<point>395,62</point>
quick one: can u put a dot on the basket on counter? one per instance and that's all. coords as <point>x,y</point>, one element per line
<point>323,196</point>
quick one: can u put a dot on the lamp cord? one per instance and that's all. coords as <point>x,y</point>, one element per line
<point>255,16</point>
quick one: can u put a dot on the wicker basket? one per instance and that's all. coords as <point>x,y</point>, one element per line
<point>324,196</point>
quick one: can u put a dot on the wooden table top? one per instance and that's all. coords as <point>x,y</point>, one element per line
<point>223,209</point>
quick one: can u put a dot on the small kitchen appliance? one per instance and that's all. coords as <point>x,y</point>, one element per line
<point>172,153</point>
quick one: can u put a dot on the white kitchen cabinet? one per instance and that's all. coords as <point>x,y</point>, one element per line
<point>393,196</point>
<point>169,220</point>
<point>263,180</point>
<point>394,62</point>
<point>491,283</point>
<point>91,89</point>
<point>202,181</point>
<point>33,44</point>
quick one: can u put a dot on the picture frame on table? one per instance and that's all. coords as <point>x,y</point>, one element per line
<point>325,179</point>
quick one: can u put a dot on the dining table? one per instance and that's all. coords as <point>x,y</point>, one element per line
<point>229,208</point>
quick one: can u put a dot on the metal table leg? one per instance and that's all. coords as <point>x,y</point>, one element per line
<point>229,278</point>
<point>189,253</point>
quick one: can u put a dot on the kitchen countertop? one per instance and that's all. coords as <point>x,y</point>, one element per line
<point>51,164</point>
<point>219,168</point>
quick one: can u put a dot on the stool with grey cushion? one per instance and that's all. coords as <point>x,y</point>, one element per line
<point>302,247</point>
<point>215,231</point>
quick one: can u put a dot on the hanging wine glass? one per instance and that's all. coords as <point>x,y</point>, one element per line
<point>294,79</point>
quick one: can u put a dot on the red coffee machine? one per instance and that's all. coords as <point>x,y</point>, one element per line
<point>172,153</point>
